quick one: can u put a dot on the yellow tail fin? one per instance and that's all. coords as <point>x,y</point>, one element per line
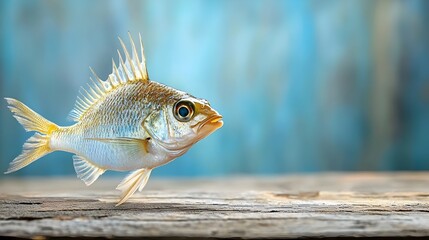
<point>36,146</point>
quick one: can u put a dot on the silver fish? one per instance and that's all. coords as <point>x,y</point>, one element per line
<point>126,123</point>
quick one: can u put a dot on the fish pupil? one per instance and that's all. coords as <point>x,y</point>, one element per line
<point>183,111</point>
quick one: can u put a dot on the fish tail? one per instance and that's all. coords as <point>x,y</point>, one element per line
<point>36,146</point>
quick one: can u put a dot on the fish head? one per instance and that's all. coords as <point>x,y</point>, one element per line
<point>181,123</point>
<point>194,119</point>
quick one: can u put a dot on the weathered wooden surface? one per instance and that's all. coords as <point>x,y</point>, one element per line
<point>325,205</point>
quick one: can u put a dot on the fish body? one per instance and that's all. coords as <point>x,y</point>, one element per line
<point>126,123</point>
<point>98,133</point>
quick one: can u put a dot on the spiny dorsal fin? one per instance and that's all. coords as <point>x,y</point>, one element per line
<point>131,70</point>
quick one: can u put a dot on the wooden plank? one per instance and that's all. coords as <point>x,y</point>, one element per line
<point>320,205</point>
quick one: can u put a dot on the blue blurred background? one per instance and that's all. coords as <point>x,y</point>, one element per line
<point>304,86</point>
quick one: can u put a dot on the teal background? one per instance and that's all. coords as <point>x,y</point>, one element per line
<point>304,86</point>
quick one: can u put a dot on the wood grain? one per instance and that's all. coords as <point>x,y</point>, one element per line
<point>323,205</point>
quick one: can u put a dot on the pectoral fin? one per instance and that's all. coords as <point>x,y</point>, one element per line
<point>133,144</point>
<point>86,171</point>
<point>135,180</point>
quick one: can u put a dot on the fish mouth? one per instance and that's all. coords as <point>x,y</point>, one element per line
<point>209,125</point>
<point>204,128</point>
<point>216,121</point>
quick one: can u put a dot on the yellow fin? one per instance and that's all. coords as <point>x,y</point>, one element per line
<point>135,180</point>
<point>29,119</point>
<point>133,144</point>
<point>36,146</point>
<point>129,71</point>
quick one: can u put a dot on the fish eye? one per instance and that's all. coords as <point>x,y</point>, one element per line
<point>184,110</point>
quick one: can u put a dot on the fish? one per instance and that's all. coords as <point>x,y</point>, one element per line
<point>126,123</point>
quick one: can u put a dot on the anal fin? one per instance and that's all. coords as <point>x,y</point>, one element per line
<point>85,170</point>
<point>135,180</point>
